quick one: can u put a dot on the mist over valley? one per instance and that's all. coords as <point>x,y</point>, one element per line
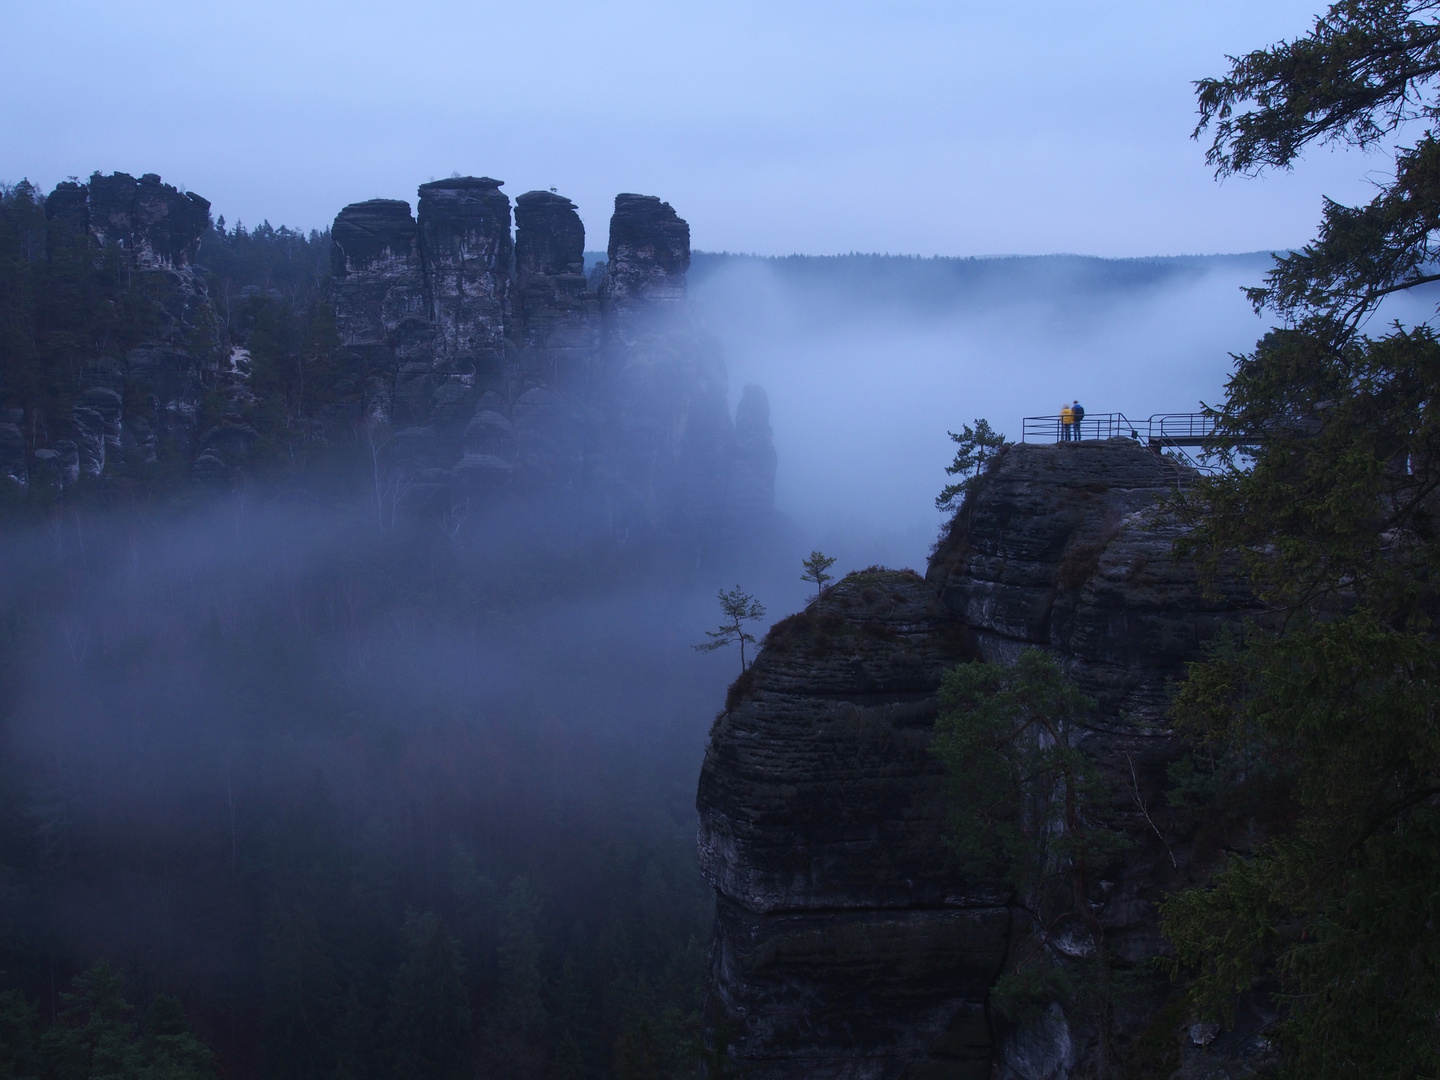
<point>350,680</point>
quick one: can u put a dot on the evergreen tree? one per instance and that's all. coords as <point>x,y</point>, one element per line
<point>1335,521</point>
<point>1029,803</point>
<point>815,567</point>
<point>92,1039</point>
<point>428,1031</point>
<point>978,447</point>
<point>516,1037</point>
<point>170,1049</point>
<point>739,607</point>
<point>302,998</point>
<point>19,1037</point>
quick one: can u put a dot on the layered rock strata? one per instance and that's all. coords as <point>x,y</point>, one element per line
<point>378,292</point>
<point>515,378</point>
<point>822,813</point>
<point>557,314</point>
<point>849,941</point>
<point>136,396</point>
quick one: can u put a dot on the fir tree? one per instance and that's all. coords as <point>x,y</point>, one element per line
<point>815,567</point>
<point>428,1030</point>
<point>1335,520</point>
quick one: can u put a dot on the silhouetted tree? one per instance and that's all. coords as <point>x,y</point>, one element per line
<point>302,998</point>
<point>171,1051</point>
<point>815,567</point>
<point>1333,516</point>
<point>517,1029</point>
<point>978,447</point>
<point>739,607</point>
<point>19,1037</point>
<point>93,1036</point>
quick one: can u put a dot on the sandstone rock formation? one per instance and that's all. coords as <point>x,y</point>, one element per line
<point>484,376</point>
<point>135,395</point>
<point>156,226</point>
<point>849,940</point>
<point>500,373</point>
<point>379,296</point>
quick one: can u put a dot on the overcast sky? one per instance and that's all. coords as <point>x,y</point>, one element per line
<point>955,128</point>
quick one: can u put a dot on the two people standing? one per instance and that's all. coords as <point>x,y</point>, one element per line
<point>1070,417</point>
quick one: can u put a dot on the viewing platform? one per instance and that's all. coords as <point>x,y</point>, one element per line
<point>1159,431</point>
<point>1178,433</point>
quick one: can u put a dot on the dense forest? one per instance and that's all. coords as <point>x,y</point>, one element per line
<point>288,793</point>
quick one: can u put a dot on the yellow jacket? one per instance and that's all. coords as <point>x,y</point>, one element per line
<point>1067,415</point>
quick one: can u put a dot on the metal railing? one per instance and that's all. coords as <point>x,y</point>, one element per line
<point>1171,434</point>
<point>1091,426</point>
<point>1168,429</point>
<point>1182,429</point>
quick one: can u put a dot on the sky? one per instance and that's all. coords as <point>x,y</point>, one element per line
<point>917,127</point>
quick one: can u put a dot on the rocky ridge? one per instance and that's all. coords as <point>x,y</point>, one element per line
<point>850,941</point>
<point>505,373</point>
<point>483,376</point>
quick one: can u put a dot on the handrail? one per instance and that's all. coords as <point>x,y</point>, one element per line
<point>1164,433</point>
<point>1091,426</point>
<point>1182,426</point>
<point>1189,429</point>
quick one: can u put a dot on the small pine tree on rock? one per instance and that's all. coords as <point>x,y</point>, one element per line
<point>739,608</point>
<point>815,567</point>
<point>978,447</point>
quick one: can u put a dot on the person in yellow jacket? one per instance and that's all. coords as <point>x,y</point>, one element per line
<point>1067,423</point>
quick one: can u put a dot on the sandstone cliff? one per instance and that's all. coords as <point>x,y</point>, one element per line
<point>849,941</point>
<point>497,372</point>
<point>138,369</point>
<point>484,378</point>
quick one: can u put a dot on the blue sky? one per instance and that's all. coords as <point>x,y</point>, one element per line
<point>957,128</point>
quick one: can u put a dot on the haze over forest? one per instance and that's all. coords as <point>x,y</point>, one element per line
<point>211,686</point>
<point>352,571</point>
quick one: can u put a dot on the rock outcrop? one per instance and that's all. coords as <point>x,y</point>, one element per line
<point>850,941</point>
<point>557,314</point>
<point>486,378</point>
<point>136,390</point>
<point>603,410</point>
<point>154,225</point>
<point>379,296</point>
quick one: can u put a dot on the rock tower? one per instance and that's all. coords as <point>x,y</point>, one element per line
<point>850,940</point>
<point>500,371</point>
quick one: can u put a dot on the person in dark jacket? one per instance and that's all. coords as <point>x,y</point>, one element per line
<point>1078,411</point>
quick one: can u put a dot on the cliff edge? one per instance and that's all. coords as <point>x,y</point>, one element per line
<point>850,940</point>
